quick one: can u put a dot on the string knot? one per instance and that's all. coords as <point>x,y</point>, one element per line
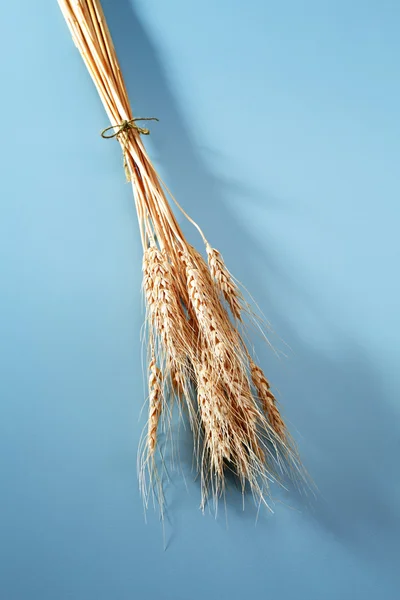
<point>125,126</point>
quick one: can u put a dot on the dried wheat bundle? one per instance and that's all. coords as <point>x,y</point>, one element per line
<point>196,348</point>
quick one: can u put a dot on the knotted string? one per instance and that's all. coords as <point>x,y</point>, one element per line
<point>123,128</point>
<point>126,125</point>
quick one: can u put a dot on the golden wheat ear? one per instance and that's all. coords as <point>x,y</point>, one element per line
<point>268,401</point>
<point>155,404</point>
<point>224,281</point>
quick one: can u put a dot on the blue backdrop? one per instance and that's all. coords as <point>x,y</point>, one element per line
<point>279,132</point>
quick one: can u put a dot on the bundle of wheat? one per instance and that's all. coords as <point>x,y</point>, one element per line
<point>197,351</point>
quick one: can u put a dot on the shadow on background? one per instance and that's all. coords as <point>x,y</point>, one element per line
<point>337,404</point>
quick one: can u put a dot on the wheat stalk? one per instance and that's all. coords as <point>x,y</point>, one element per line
<point>196,350</point>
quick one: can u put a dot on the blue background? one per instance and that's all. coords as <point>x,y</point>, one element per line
<point>279,132</point>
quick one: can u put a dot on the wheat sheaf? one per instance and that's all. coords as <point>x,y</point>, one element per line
<point>195,316</point>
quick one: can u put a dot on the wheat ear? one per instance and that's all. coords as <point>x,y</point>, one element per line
<point>224,281</point>
<point>268,400</point>
<point>155,404</point>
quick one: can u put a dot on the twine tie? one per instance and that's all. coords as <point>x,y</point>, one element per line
<point>123,128</point>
